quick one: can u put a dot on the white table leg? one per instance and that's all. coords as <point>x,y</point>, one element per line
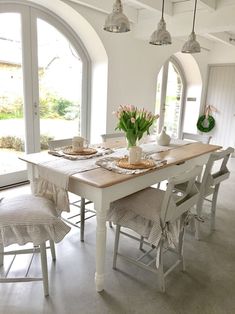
<point>100,248</point>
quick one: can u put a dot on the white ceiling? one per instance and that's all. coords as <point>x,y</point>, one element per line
<point>215,20</point>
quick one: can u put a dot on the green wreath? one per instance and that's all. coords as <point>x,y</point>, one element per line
<point>205,124</point>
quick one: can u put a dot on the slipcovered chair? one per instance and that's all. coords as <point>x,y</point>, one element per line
<point>28,218</point>
<point>79,203</point>
<point>159,217</point>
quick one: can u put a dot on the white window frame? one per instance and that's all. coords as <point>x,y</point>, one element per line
<point>179,68</point>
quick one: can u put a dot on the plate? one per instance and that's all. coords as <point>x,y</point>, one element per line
<point>144,164</point>
<point>85,151</point>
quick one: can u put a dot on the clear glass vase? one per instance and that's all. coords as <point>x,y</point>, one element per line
<point>131,138</point>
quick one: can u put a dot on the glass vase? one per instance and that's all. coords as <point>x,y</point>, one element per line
<point>131,138</point>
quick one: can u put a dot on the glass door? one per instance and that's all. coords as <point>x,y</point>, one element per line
<point>43,90</point>
<point>12,129</point>
<point>60,85</point>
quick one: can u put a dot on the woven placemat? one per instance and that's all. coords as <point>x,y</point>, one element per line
<point>85,151</point>
<point>144,164</point>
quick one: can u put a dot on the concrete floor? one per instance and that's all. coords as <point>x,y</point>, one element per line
<point>207,286</point>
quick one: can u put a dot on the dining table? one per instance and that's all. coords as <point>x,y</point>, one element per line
<point>103,186</point>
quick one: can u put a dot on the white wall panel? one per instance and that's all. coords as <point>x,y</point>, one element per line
<point>221,94</point>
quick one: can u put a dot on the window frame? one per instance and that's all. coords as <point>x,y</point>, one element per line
<point>163,92</point>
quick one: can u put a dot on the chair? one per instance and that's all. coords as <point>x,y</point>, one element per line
<point>28,218</point>
<point>159,218</point>
<point>114,138</point>
<point>213,175</point>
<point>81,203</point>
<point>197,137</point>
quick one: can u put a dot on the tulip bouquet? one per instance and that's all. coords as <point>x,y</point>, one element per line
<point>134,122</point>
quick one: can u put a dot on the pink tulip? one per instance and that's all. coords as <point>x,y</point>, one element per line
<point>132,120</point>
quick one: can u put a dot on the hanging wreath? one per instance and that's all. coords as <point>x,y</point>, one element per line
<point>206,122</point>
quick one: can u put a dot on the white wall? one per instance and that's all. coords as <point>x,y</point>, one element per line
<point>222,54</point>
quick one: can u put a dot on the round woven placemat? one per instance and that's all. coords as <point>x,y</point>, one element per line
<point>85,151</point>
<point>144,164</point>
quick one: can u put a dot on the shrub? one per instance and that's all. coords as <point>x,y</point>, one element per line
<point>12,142</point>
<point>11,111</point>
<point>44,141</point>
<point>17,143</point>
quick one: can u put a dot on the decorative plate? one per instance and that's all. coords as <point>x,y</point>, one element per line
<point>144,164</point>
<point>85,151</point>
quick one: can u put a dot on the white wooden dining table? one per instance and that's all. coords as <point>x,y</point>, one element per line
<point>103,187</point>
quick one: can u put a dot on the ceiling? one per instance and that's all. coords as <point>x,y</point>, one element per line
<point>215,20</point>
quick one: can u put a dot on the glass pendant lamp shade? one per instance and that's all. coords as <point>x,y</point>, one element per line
<point>161,36</point>
<point>117,22</point>
<point>192,45</point>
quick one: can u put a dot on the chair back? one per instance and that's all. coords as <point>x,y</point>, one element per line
<point>215,175</point>
<point>53,144</point>
<point>111,136</point>
<point>205,139</point>
<point>177,202</point>
<point>114,140</point>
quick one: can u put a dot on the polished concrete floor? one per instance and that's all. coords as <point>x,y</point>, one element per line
<point>207,286</point>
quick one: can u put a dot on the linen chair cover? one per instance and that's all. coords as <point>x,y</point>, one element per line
<point>29,218</point>
<point>81,203</point>
<point>157,216</point>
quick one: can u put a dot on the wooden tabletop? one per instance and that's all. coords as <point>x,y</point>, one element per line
<point>103,178</point>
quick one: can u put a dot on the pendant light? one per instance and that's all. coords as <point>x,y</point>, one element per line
<point>117,22</point>
<point>192,45</point>
<point>161,36</point>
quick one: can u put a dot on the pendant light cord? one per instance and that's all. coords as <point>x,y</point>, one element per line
<point>194,14</point>
<point>163,1</point>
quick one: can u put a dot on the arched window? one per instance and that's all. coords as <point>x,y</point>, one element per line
<point>45,69</point>
<point>170,97</point>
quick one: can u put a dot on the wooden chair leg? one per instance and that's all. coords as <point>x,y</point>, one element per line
<point>213,207</point>
<point>52,247</point>
<point>160,269</point>
<point>141,243</point>
<point>1,254</point>
<point>43,254</point>
<point>82,208</point>
<point>116,243</point>
<point>197,222</point>
<point>180,248</point>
